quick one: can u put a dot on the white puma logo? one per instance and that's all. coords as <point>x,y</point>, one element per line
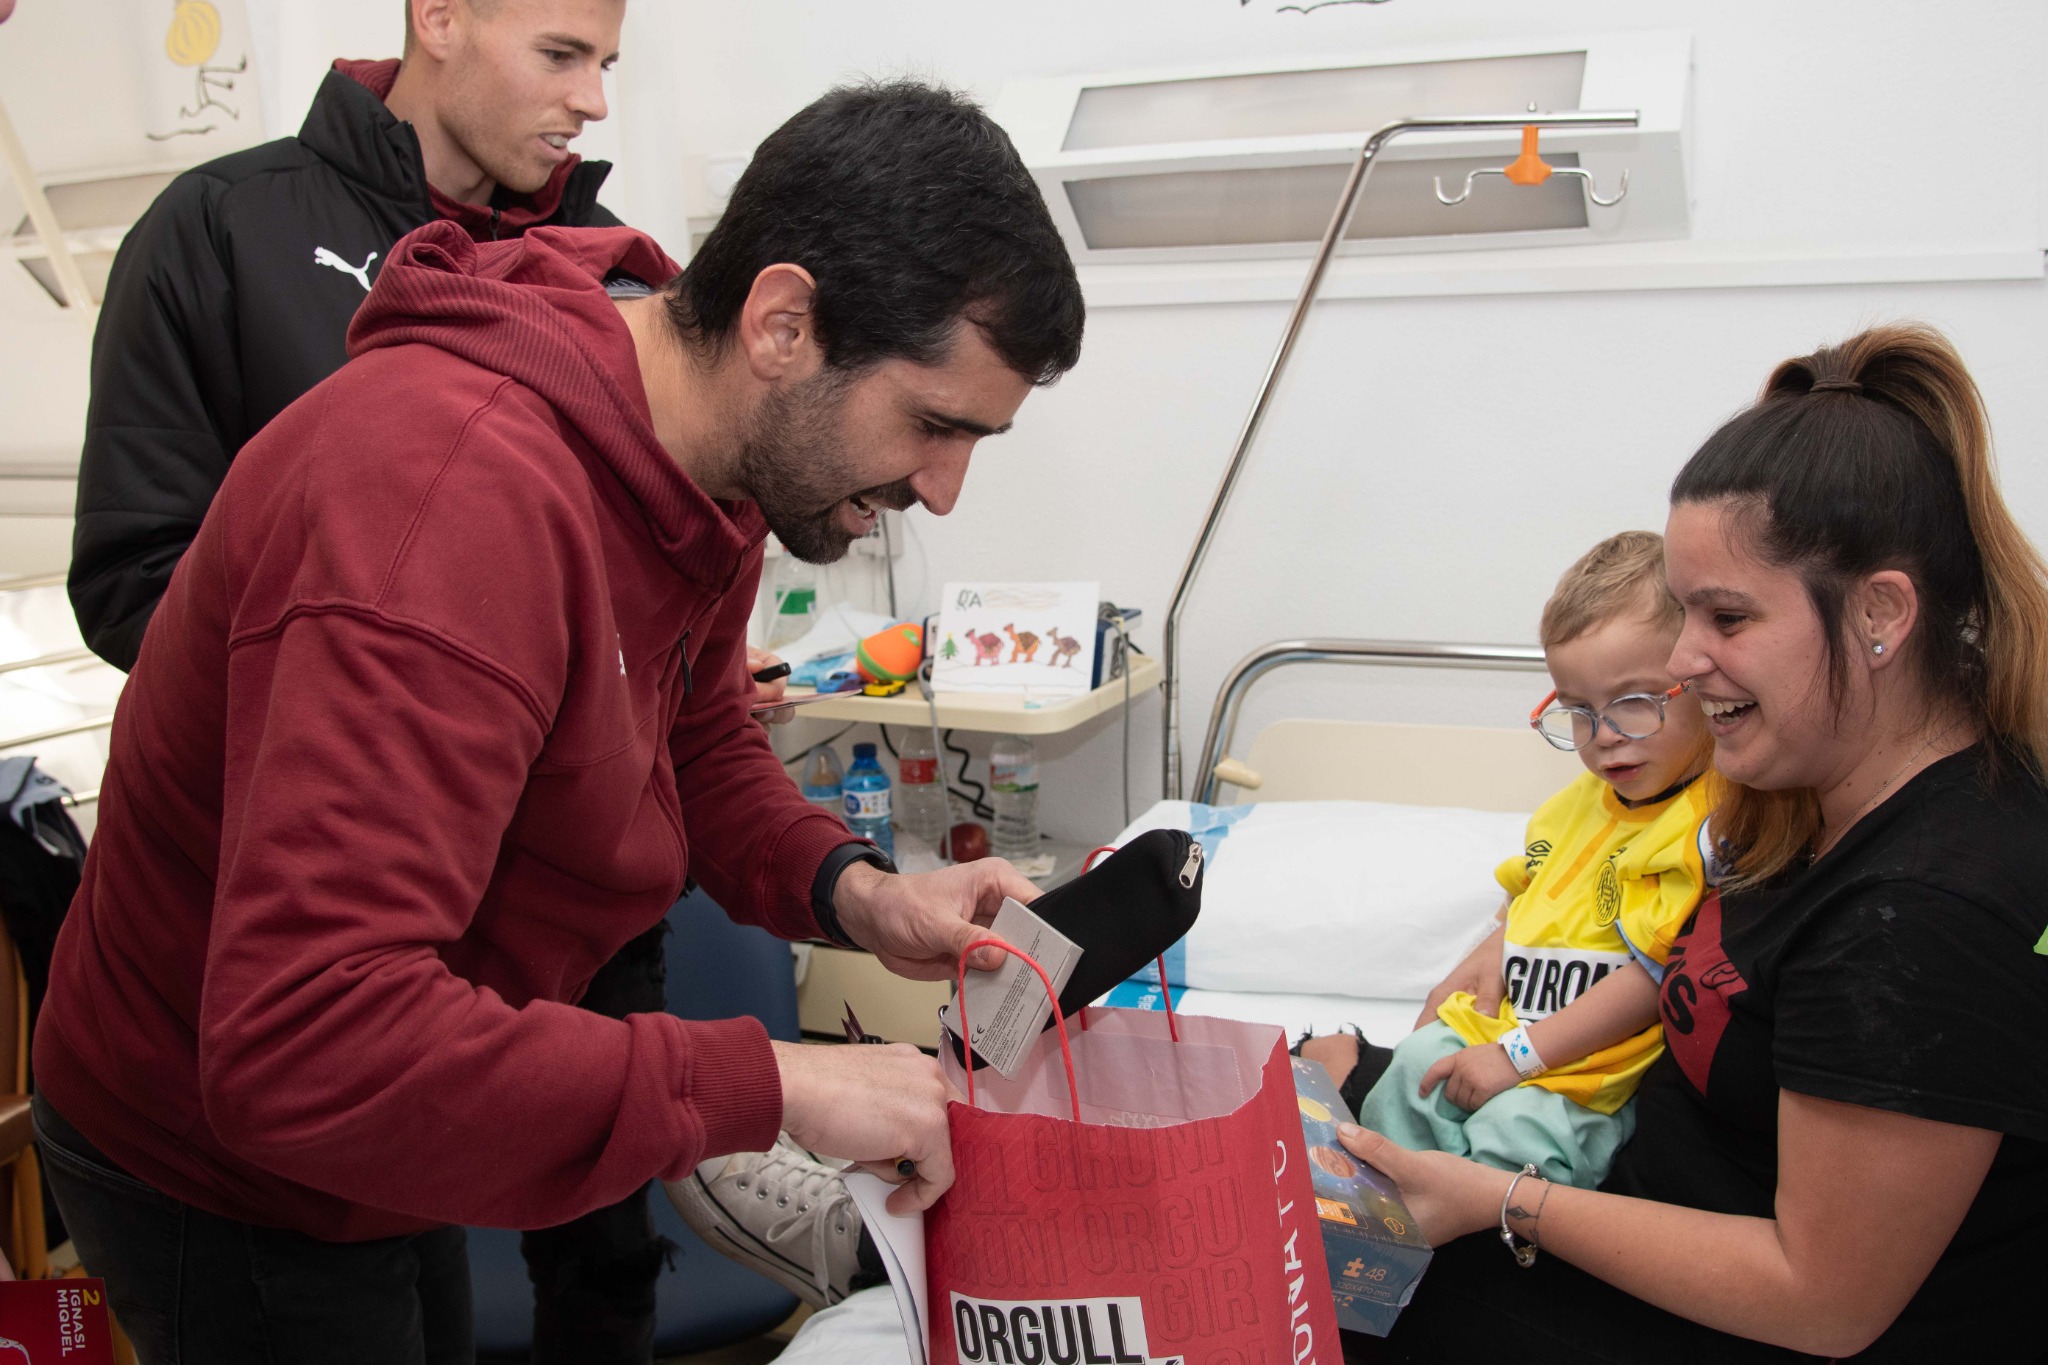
<point>322,256</point>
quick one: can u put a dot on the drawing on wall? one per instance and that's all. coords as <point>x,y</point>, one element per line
<point>1031,638</point>
<point>193,43</point>
<point>1309,6</point>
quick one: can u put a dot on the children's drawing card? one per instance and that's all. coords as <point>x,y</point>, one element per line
<point>1037,639</point>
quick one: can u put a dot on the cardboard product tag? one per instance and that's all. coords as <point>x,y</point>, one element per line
<point>55,1320</point>
<point>1007,1008</point>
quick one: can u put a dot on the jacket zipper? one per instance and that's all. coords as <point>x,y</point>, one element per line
<point>494,225</point>
<point>1192,868</point>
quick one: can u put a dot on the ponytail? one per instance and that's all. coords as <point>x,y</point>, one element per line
<point>1870,455</point>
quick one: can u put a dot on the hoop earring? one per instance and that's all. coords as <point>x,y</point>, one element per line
<point>1877,648</point>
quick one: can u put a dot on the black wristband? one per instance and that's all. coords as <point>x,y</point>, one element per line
<point>827,881</point>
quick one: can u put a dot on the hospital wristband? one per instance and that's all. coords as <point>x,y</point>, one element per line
<point>1528,1063</point>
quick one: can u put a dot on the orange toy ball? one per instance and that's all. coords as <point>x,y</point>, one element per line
<point>891,655</point>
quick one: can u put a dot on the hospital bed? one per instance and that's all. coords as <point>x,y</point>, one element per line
<point>1351,866</point>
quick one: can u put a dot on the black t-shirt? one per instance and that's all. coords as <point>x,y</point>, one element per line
<point>1899,971</point>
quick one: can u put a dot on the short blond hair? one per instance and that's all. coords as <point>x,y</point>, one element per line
<point>1622,576</point>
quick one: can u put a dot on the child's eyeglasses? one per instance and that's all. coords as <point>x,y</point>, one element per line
<point>1571,728</point>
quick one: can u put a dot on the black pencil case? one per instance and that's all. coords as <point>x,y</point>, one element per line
<point>1124,912</point>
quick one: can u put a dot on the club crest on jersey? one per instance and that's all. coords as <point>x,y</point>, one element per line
<point>1608,895</point>
<point>1052,1332</point>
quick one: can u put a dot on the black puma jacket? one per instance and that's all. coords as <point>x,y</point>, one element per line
<point>230,298</point>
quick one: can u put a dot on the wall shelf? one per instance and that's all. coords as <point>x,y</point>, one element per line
<point>995,713</point>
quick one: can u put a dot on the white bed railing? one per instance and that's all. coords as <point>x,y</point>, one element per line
<point>1389,653</point>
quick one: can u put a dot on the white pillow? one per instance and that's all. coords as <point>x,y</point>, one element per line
<point>1354,898</point>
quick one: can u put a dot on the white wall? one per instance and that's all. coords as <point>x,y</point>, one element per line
<point>1432,462</point>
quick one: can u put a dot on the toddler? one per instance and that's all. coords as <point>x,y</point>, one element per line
<point>1612,870</point>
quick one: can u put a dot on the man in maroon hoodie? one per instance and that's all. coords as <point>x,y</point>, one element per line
<point>233,296</point>
<point>448,698</point>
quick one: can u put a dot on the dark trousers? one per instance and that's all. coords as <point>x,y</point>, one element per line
<point>192,1288</point>
<point>1476,1304</point>
<point>593,1278</point>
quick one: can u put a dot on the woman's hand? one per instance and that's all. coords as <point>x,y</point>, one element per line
<point>1448,1195</point>
<point>1472,1077</point>
<point>1479,974</point>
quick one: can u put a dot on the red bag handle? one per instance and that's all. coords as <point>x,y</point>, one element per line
<point>1059,1018</point>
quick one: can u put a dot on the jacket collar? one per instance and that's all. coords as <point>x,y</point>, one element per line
<point>351,129</point>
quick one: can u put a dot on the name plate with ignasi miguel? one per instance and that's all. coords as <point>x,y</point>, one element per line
<point>46,1322</point>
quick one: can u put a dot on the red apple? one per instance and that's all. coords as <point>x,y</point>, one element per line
<point>969,841</point>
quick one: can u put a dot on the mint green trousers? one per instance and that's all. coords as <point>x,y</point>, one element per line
<point>1566,1142</point>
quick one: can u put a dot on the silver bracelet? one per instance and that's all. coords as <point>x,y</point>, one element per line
<point>1525,1254</point>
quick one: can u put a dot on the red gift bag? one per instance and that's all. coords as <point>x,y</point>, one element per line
<point>1138,1195</point>
<point>43,1322</point>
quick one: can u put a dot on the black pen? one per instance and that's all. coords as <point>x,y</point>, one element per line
<point>905,1167</point>
<point>771,673</point>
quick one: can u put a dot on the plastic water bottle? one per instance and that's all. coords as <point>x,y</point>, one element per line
<point>824,781</point>
<point>920,792</point>
<point>796,601</point>
<point>867,799</point>
<point>1013,791</point>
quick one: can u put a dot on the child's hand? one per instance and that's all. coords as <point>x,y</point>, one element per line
<point>1472,1077</point>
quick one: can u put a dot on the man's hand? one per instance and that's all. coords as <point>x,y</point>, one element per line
<point>918,924</point>
<point>874,1106</point>
<point>767,692</point>
<point>1472,1077</point>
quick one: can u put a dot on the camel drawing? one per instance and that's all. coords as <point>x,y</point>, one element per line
<point>1064,648</point>
<point>1023,648</point>
<point>988,648</point>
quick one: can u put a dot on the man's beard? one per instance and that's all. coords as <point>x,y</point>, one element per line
<point>793,464</point>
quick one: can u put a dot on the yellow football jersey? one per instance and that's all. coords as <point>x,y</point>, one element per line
<point>1600,885</point>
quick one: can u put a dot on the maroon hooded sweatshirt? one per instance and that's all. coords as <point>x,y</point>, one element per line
<point>443,703</point>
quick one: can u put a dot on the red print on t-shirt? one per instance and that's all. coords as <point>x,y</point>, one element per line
<point>1697,988</point>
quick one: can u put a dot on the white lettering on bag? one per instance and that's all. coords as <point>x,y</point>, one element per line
<point>1052,1332</point>
<point>1304,1336</point>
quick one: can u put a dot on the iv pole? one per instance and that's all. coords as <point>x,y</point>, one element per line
<point>1332,235</point>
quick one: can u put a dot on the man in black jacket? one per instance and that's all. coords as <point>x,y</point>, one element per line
<point>232,297</point>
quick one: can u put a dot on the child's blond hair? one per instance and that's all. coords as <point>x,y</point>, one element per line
<point>1622,576</point>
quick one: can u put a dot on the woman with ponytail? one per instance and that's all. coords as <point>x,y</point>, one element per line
<point>1844,1152</point>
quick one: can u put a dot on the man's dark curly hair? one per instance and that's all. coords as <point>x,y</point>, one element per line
<point>912,210</point>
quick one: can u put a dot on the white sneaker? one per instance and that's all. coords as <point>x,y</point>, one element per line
<point>782,1213</point>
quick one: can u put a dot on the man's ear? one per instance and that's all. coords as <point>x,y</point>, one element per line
<point>777,330</point>
<point>435,26</point>
<point>1885,611</point>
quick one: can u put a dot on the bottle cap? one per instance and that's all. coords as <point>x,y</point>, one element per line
<point>861,751</point>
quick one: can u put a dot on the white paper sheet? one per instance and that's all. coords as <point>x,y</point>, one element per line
<point>900,1241</point>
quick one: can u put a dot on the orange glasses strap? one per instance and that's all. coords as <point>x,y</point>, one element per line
<point>1542,706</point>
